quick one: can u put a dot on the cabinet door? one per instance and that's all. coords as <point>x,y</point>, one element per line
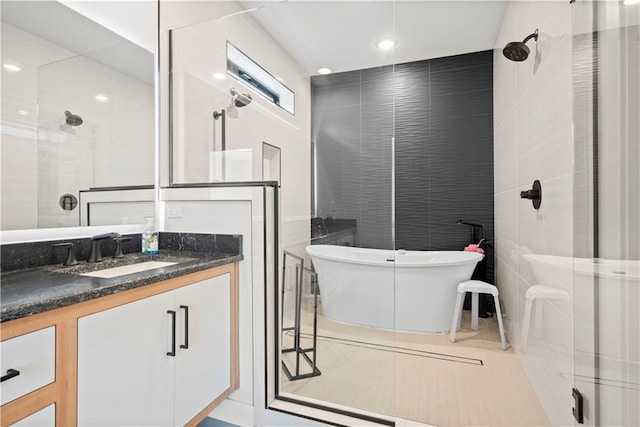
<point>45,417</point>
<point>31,358</point>
<point>203,369</point>
<point>125,377</point>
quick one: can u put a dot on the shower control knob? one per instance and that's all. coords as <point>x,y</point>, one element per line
<point>535,194</point>
<point>529,194</point>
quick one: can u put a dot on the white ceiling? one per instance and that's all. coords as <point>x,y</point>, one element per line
<point>343,35</point>
<point>65,27</point>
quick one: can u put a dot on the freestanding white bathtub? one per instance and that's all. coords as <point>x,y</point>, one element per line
<point>409,291</point>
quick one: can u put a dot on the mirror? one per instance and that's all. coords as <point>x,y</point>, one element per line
<point>78,112</point>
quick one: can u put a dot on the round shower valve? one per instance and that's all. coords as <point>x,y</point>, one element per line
<point>535,194</point>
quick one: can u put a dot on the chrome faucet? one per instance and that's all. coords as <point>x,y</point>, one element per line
<point>94,254</point>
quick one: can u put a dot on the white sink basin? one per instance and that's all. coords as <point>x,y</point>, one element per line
<point>128,269</point>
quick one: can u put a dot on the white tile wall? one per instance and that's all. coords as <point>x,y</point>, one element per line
<point>534,140</point>
<point>40,163</point>
<point>19,137</point>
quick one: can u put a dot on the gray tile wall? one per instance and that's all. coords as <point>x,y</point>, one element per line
<point>443,151</point>
<point>352,127</point>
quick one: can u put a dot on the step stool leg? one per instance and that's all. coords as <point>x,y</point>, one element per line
<point>505,344</point>
<point>474,311</point>
<point>524,335</point>
<point>457,316</point>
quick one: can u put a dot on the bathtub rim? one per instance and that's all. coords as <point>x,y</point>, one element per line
<point>475,258</point>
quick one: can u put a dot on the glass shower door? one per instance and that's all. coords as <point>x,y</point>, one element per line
<point>607,230</point>
<point>352,207</point>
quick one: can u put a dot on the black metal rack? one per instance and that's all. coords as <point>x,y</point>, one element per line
<point>301,353</point>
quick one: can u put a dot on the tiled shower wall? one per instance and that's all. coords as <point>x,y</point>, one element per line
<point>443,111</point>
<point>351,128</point>
<point>533,140</point>
<point>40,163</point>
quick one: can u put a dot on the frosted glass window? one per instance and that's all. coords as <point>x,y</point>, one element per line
<point>253,75</point>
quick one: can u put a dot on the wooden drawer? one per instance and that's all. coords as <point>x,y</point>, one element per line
<point>45,417</point>
<point>33,356</point>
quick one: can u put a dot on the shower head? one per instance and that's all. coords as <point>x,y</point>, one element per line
<point>518,51</point>
<point>72,119</point>
<point>240,99</point>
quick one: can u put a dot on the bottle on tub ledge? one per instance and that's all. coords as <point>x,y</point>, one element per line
<point>150,237</point>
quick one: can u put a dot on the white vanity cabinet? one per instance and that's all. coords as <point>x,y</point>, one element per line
<point>123,368</point>
<point>157,361</point>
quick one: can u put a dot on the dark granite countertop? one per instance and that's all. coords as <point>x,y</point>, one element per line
<point>29,291</point>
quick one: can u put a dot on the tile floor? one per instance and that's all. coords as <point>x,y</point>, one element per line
<point>213,422</point>
<point>419,377</point>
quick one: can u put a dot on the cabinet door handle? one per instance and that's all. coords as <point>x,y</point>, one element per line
<point>172,353</point>
<point>10,374</point>
<point>186,327</point>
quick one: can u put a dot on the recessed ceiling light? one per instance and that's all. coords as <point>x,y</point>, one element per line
<point>23,113</point>
<point>12,67</point>
<point>102,98</point>
<point>324,70</point>
<point>219,76</point>
<point>630,2</point>
<point>386,44</point>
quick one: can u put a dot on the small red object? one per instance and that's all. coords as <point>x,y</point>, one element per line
<point>474,248</point>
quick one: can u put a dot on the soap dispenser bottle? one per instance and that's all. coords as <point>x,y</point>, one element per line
<point>150,238</point>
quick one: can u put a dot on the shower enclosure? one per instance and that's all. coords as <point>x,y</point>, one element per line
<point>419,148</point>
<point>606,271</point>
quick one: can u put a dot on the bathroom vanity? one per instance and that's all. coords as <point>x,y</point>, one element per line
<point>157,347</point>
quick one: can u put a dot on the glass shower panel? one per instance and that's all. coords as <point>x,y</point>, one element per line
<point>338,319</point>
<point>351,133</point>
<point>210,137</point>
<point>222,114</point>
<point>607,234</point>
<point>444,202</point>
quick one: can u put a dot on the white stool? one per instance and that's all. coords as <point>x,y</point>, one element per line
<point>533,293</point>
<point>475,287</point>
